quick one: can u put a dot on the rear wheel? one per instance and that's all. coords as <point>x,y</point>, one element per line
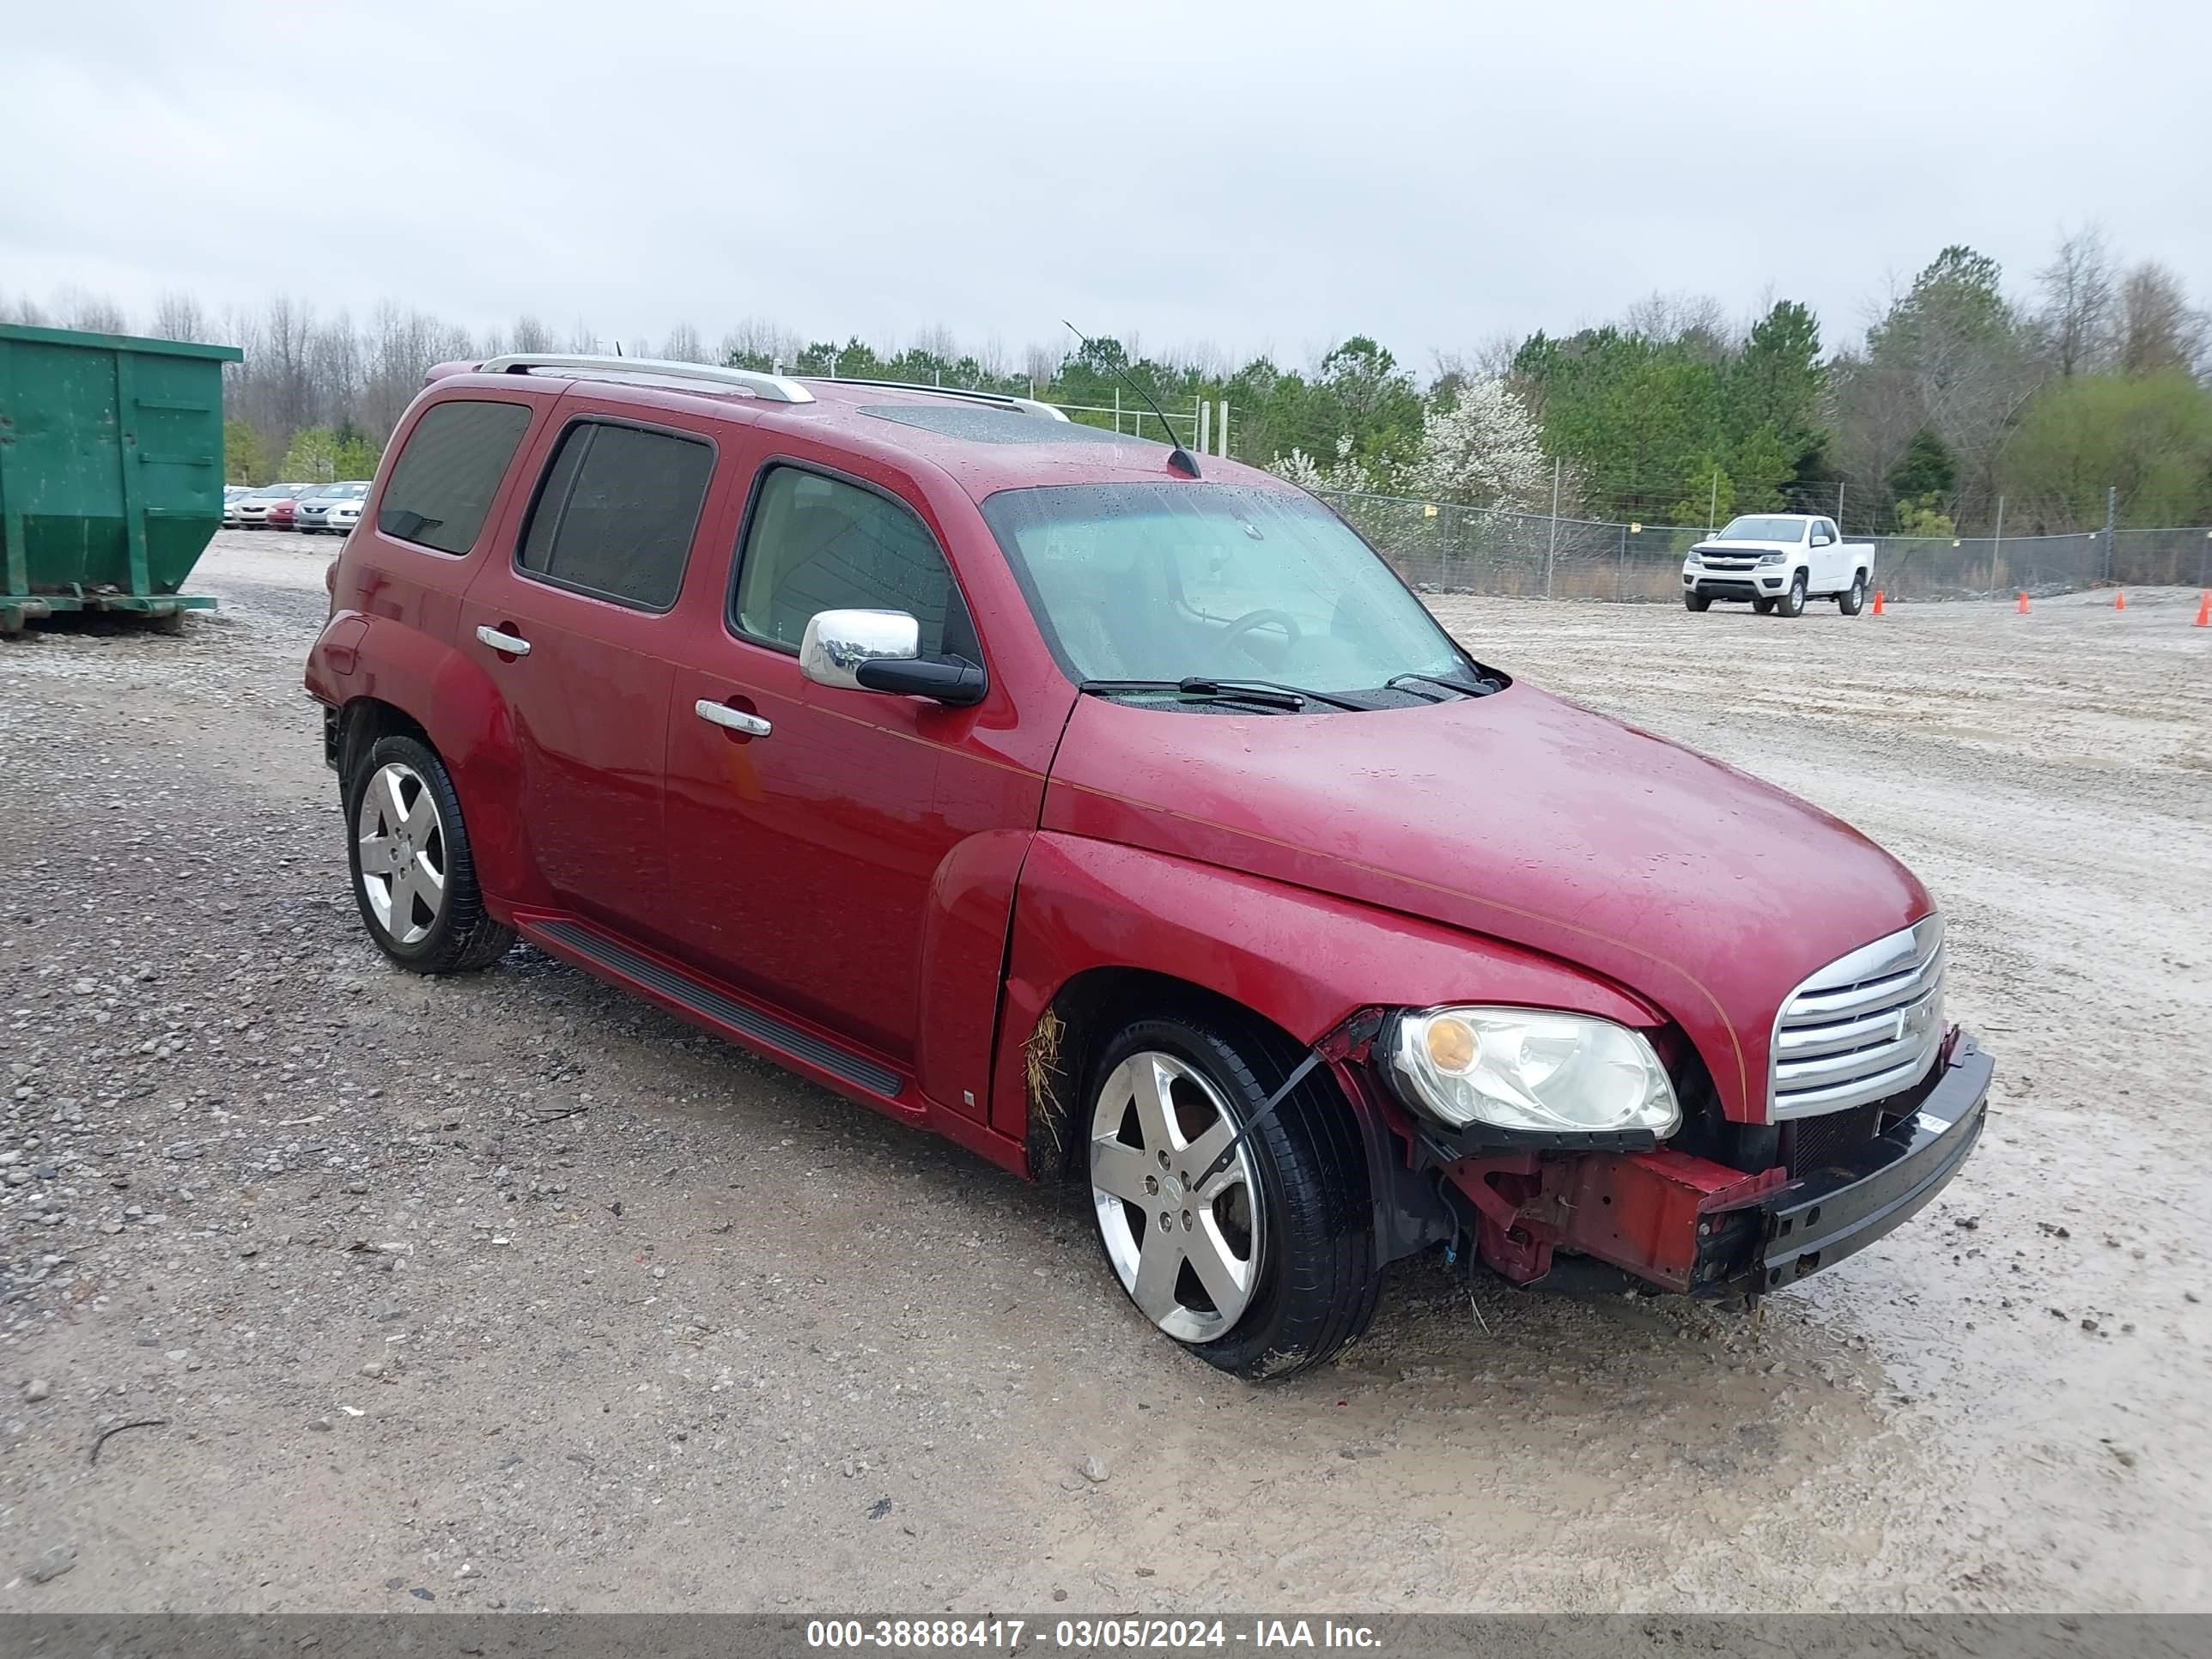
<point>1267,1268</point>
<point>1852,599</point>
<point>1694,600</point>
<point>413,877</point>
<point>1792,604</point>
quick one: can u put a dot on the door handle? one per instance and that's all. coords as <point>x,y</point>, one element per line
<point>734,720</point>
<point>513,644</point>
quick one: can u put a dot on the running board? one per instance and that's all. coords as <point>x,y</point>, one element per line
<point>711,1005</point>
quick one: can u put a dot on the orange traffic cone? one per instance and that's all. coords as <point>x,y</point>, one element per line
<point>1877,602</point>
<point>2021,606</point>
<point>2120,600</point>
<point>2203,610</point>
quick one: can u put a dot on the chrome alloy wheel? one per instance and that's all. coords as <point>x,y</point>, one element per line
<point>1187,1254</point>
<point>403,853</point>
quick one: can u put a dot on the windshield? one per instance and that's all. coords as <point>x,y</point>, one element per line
<point>1763,530</point>
<point>1168,581</point>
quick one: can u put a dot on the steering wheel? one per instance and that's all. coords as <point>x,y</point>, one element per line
<point>1251,619</point>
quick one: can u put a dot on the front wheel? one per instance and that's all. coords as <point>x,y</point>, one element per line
<point>413,877</point>
<point>1792,604</point>
<point>1693,600</point>
<point>1852,599</point>
<point>1267,1268</point>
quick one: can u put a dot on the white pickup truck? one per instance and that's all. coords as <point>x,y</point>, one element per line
<point>1778,561</point>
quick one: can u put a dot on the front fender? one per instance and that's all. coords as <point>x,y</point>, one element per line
<point>1302,959</point>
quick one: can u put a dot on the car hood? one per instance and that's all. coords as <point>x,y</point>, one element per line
<point>1520,817</point>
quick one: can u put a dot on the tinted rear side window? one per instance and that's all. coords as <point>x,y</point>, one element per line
<point>617,511</point>
<point>443,483</point>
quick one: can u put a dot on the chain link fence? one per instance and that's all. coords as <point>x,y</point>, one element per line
<point>1440,548</point>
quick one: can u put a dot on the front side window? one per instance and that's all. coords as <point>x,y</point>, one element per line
<point>1166,581</point>
<point>616,512</point>
<point>444,483</point>
<point>819,543</point>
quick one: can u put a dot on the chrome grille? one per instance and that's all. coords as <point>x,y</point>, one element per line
<point>1864,1027</point>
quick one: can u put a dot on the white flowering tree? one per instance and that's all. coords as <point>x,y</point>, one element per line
<point>1485,450</point>
<point>1346,474</point>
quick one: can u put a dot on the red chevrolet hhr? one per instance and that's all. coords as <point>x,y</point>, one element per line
<point>1120,814</point>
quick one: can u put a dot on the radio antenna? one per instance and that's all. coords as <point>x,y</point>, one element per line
<point>1179,458</point>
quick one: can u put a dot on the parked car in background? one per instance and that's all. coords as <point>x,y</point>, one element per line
<point>1127,822</point>
<point>253,509</point>
<point>311,515</point>
<point>282,515</point>
<point>1778,561</point>
<point>232,494</point>
<point>344,514</point>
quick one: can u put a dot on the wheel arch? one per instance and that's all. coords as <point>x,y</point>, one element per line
<point>363,722</point>
<point>1083,1017</point>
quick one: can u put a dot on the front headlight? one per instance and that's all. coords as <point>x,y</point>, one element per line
<point>1531,1070</point>
<point>1772,558</point>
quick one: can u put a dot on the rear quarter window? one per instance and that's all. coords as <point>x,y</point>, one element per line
<point>442,486</point>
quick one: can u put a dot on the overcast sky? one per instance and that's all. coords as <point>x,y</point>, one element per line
<point>1256,176</point>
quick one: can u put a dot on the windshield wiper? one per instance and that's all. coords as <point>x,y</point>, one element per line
<point>1261,694</point>
<point>1466,688</point>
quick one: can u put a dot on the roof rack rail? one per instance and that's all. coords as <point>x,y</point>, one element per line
<point>775,388</point>
<point>1003,399</point>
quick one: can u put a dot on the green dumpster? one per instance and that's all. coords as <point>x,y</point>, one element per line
<point>110,471</point>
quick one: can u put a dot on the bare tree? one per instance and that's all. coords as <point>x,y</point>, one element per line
<point>178,316</point>
<point>755,338</point>
<point>1697,321</point>
<point>530,335</point>
<point>94,313</point>
<point>2158,328</point>
<point>2077,285</point>
<point>398,350</point>
<point>334,371</point>
<point>1040,363</point>
<point>683,345</point>
<point>938,342</point>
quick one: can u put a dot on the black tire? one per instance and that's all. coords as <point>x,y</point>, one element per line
<point>1317,1282</point>
<point>1852,599</point>
<point>1792,604</point>
<point>1695,601</point>
<point>461,938</point>
<point>1764,607</point>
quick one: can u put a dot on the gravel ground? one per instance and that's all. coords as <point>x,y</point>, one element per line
<point>323,1286</point>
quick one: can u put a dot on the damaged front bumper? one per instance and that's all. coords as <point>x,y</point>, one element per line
<point>1816,1223</point>
<point>1691,1224</point>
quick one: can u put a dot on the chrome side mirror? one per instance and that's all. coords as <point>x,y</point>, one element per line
<point>836,642</point>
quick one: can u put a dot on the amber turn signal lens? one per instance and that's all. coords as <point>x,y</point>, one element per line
<point>1452,1046</point>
